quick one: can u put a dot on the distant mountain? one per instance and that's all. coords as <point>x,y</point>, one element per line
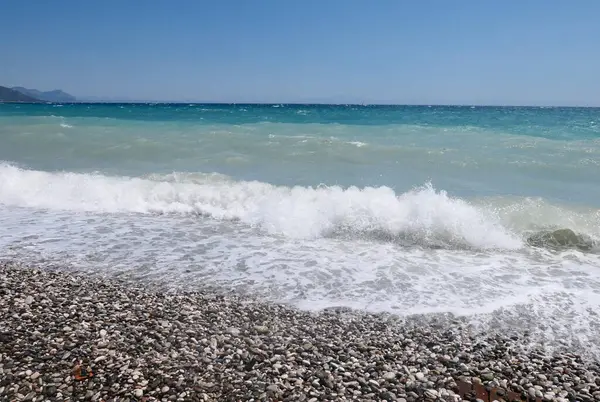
<point>10,95</point>
<point>49,96</point>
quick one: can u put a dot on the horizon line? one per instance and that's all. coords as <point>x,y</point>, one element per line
<point>365,104</point>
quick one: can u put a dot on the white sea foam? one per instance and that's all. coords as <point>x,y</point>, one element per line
<point>423,216</point>
<point>358,144</point>
<point>421,251</point>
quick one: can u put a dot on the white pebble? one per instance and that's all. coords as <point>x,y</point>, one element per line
<point>389,375</point>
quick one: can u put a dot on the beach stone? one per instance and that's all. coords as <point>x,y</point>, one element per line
<point>487,376</point>
<point>388,375</point>
<point>374,383</point>
<point>50,390</point>
<point>234,331</point>
<point>261,329</point>
<point>561,238</point>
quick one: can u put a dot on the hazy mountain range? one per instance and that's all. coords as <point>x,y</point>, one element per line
<point>56,95</point>
<point>10,95</point>
<point>20,94</point>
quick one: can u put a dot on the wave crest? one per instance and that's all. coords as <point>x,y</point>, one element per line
<point>423,216</point>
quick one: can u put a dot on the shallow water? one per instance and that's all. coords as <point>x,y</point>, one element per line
<point>403,209</point>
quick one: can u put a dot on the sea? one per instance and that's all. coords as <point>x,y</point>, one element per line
<point>491,214</point>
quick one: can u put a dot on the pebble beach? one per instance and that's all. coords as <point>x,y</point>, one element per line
<point>66,336</point>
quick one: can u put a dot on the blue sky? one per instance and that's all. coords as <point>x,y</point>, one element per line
<point>390,51</point>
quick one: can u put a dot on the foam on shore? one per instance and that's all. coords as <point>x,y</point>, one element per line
<point>208,346</point>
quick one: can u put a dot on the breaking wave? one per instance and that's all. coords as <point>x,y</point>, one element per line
<point>423,216</point>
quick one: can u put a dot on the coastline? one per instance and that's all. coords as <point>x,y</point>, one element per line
<point>144,344</point>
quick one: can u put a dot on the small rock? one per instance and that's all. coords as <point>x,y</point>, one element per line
<point>261,329</point>
<point>487,376</point>
<point>531,391</point>
<point>234,331</point>
<point>50,390</point>
<point>388,375</point>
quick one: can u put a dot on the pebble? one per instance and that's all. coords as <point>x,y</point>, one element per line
<point>388,375</point>
<point>261,329</point>
<point>531,391</point>
<point>206,346</point>
<point>234,331</point>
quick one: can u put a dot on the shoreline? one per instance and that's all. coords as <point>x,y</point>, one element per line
<point>144,344</point>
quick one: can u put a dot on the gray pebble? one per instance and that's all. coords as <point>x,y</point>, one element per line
<point>189,346</point>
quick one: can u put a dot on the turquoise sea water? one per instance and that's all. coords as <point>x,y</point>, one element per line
<point>411,209</point>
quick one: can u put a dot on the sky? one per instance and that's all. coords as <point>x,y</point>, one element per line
<point>510,52</point>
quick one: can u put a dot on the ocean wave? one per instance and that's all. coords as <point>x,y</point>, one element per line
<point>423,216</point>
